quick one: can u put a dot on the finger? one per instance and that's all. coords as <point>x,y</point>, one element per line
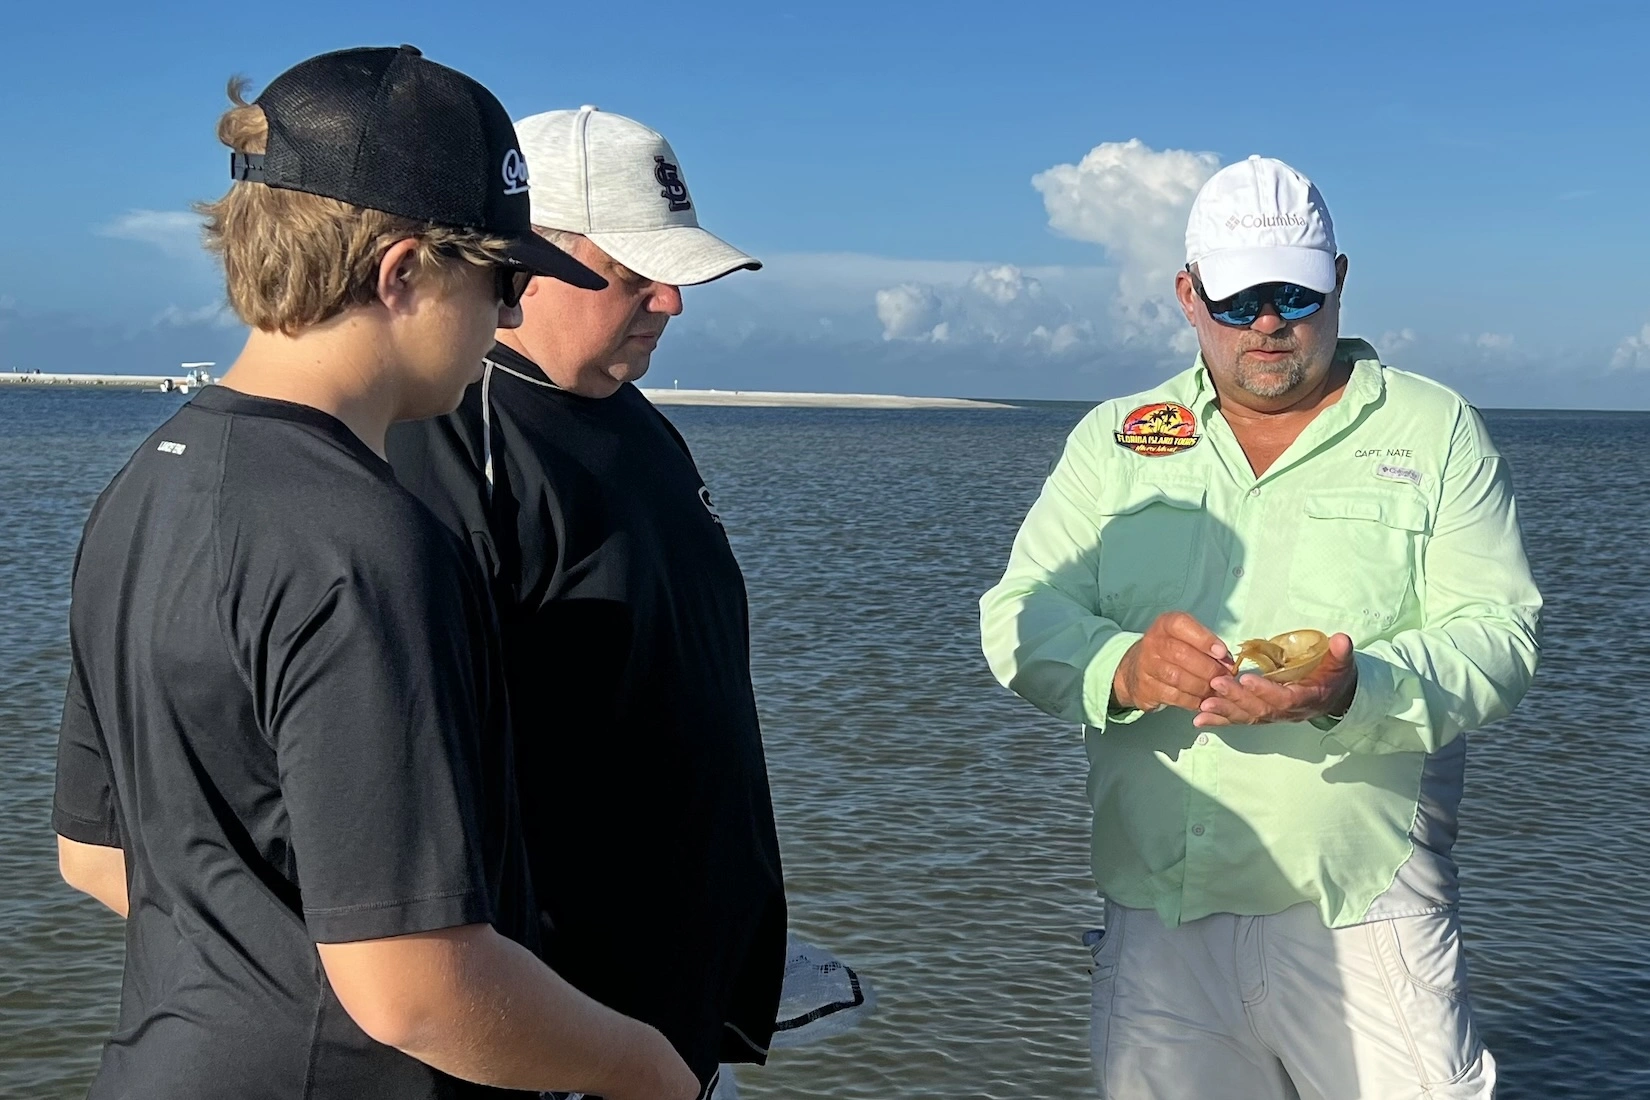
<point>1170,677</point>
<point>1335,663</point>
<point>1167,694</point>
<point>1178,624</point>
<point>1330,678</point>
<point>1258,697</point>
<point>1197,662</point>
<point>1264,695</point>
<point>1169,697</point>
<point>1215,717</point>
<point>1235,706</point>
<point>1259,700</point>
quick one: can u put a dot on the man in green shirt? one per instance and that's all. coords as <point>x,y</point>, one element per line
<point>1281,897</point>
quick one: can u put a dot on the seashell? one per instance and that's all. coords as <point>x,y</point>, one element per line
<point>1285,658</point>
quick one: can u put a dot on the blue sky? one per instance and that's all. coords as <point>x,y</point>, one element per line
<point>1485,165</point>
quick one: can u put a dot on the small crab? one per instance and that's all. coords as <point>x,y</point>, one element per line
<point>1284,658</point>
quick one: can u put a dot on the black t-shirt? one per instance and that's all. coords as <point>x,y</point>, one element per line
<point>286,704</point>
<point>626,635</point>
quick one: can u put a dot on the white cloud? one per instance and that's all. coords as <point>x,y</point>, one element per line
<point>1070,335</point>
<point>1633,353</point>
<point>1133,201</point>
<point>1000,305</point>
<point>1395,340</point>
<point>1004,284</point>
<point>1494,341</point>
<point>218,315</point>
<point>176,233</point>
<point>910,311</point>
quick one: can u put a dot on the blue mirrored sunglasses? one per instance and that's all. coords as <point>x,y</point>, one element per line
<point>1242,309</point>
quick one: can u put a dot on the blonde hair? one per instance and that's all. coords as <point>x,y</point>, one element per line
<point>292,259</point>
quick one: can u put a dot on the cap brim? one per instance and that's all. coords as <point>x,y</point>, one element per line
<point>539,256</point>
<point>680,255</point>
<point>1230,270</point>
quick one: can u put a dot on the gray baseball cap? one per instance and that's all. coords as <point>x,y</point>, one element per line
<point>618,182</point>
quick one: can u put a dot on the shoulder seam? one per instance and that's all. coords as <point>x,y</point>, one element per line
<point>1431,383</point>
<point>219,580</point>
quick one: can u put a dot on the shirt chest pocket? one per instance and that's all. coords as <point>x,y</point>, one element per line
<point>1150,535</point>
<point>1355,558</point>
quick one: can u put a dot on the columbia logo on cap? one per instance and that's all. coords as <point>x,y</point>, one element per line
<point>515,173</point>
<point>1263,221</point>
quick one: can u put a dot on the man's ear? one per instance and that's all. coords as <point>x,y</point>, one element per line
<point>1340,272</point>
<point>397,272</point>
<point>1186,294</point>
<point>533,285</point>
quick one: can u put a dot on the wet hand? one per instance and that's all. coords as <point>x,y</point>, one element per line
<point>1251,699</point>
<point>1171,665</point>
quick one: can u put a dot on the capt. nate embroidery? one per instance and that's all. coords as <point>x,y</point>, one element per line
<point>1165,428</point>
<point>670,178</point>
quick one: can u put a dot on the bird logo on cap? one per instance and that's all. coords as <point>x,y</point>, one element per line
<point>670,178</point>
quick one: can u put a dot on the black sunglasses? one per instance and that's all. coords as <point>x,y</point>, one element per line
<point>510,283</point>
<point>1242,309</point>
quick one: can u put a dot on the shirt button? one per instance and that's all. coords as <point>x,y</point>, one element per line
<point>1255,492</point>
<point>1238,572</point>
<point>1197,830</point>
<point>1203,739</point>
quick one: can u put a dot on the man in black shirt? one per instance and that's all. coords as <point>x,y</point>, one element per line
<point>284,754</point>
<point>626,634</point>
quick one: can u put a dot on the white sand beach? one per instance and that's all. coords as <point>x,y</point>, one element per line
<point>774,399</point>
<point>781,400</point>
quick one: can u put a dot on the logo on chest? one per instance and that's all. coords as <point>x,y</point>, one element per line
<point>1391,470</point>
<point>704,498</point>
<point>1165,428</point>
<point>1398,473</point>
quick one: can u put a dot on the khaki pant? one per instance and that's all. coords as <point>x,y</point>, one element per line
<point>1280,1007</point>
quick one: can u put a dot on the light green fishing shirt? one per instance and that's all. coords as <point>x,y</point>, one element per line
<point>1391,519</point>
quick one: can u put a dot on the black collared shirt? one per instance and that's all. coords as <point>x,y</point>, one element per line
<point>626,634</point>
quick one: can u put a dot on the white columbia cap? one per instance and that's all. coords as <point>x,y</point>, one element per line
<point>1259,221</point>
<point>617,182</point>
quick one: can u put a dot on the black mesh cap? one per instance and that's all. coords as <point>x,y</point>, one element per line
<point>389,130</point>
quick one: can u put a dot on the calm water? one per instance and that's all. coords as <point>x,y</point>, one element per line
<point>934,827</point>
